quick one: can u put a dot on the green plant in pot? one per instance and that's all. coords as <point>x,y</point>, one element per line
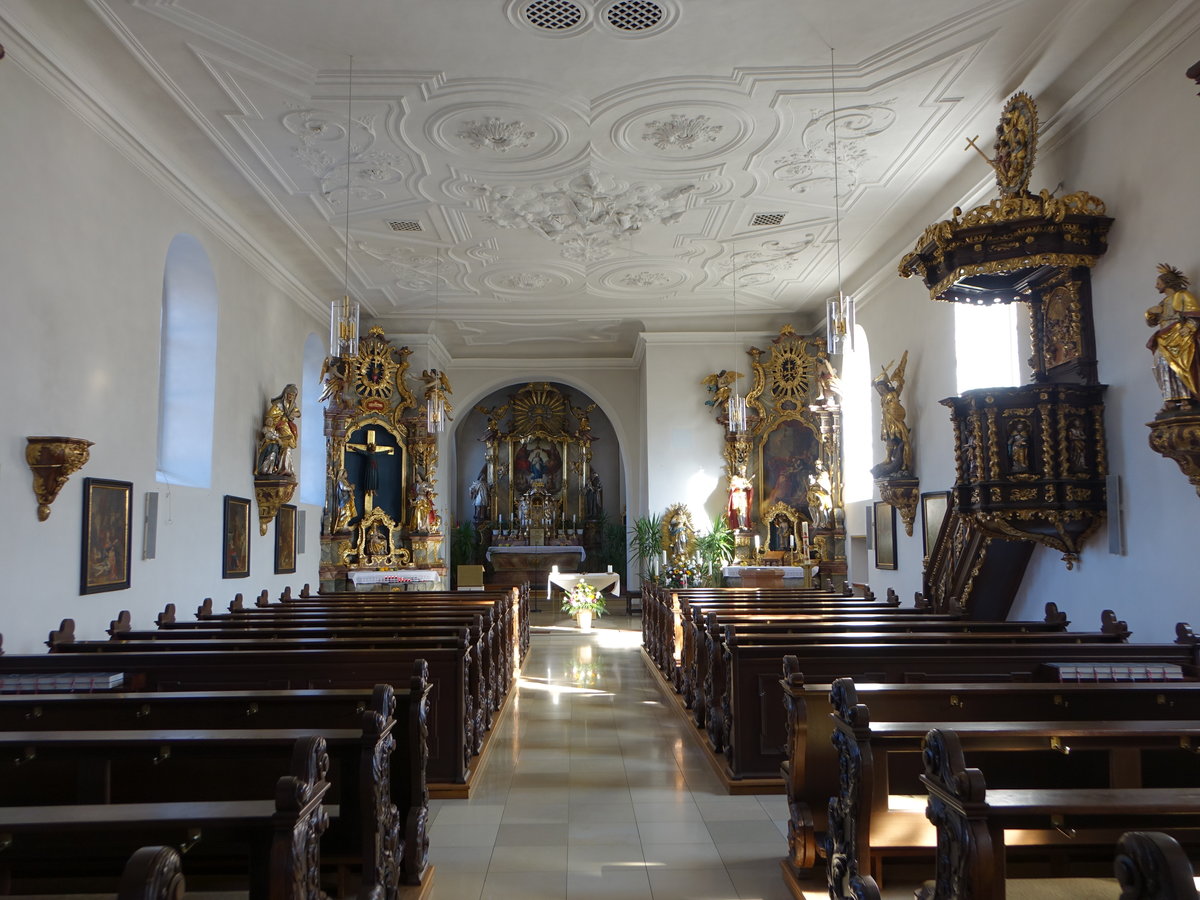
<point>645,545</point>
<point>715,550</point>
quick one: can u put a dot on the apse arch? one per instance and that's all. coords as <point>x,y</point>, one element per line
<point>187,373</point>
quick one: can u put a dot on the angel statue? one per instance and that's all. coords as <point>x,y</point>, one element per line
<point>828,383</point>
<point>436,386</point>
<point>897,442</point>
<point>1176,322</point>
<point>720,384</point>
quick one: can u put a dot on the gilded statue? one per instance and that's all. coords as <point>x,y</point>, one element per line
<point>741,495</point>
<point>1173,343</point>
<point>280,435</point>
<point>346,510</point>
<point>720,384</point>
<point>897,441</point>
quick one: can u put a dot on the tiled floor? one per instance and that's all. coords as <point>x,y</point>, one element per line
<point>594,789</point>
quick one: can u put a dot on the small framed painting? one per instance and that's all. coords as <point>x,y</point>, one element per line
<point>285,540</point>
<point>107,535</point>
<point>885,535</point>
<point>933,513</point>
<point>235,540</point>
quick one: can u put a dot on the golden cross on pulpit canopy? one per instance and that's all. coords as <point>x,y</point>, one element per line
<point>370,480</point>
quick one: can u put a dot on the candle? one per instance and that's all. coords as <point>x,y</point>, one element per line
<point>792,541</point>
<point>804,531</point>
<point>757,543</point>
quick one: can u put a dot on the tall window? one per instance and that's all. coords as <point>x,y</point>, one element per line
<point>187,365</point>
<point>312,424</point>
<point>985,346</point>
<point>857,442</point>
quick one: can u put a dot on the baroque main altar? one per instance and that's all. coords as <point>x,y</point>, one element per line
<point>381,475</point>
<point>537,500</point>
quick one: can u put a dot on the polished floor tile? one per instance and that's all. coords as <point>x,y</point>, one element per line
<point>594,789</point>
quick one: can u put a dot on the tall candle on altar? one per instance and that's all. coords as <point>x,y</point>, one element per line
<point>757,543</point>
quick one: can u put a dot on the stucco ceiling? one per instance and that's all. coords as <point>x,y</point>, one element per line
<point>718,112</point>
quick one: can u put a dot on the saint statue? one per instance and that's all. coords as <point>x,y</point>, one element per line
<point>1175,320</point>
<point>594,496</point>
<point>741,494</point>
<point>479,495</point>
<point>280,435</point>
<point>819,496</point>
<point>893,429</point>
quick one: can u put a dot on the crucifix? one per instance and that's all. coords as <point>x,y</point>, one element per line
<point>370,483</point>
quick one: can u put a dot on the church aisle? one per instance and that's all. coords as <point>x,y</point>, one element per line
<point>594,790</point>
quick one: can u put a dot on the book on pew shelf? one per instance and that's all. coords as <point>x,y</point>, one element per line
<point>60,682</point>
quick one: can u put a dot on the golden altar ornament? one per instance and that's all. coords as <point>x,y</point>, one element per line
<point>53,460</point>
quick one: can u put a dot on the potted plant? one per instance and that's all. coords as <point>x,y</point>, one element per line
<point>645,544</point>
<point>582,602</point>
<point>715,550</point>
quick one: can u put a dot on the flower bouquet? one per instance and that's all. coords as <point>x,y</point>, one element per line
<point>583,598</point>
<point>683,575</point>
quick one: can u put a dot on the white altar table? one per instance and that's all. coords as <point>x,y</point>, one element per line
<point>601,581</point>
<point>419,577</point>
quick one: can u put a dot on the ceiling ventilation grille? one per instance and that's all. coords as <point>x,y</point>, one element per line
<point>553,15</point>
<point>762,219</point>
<point>634,15</point>
<point>404,225</point>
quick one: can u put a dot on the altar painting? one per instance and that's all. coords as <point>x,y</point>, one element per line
<point>537,459</point>
<point>789,455</point>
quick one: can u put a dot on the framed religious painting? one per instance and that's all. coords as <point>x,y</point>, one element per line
<point>933,513</point>
<point>107,535</point>
<point>285,540</point>
<point>235,538</point>
<point>885,535</point>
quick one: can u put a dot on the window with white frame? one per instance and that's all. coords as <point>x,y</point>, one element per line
<point>312,429</point>
<point>187,365</point>
<point>856,420</point>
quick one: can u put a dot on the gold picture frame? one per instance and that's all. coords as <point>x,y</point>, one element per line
<point>885,535</point>
<point>285,540</point>
<point>107,535</point>
<point>235,538</point>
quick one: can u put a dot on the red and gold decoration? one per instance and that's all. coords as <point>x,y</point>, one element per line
<point>53,460</point>
<point>784,472</point>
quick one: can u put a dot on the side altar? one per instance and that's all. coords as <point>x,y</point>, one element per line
<point>382,466</point>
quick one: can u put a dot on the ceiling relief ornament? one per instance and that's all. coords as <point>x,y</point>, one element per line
<point>322,152</point>
<point>586,214</point>
<point>771,260</point>
<point>644,279</point>
<point>494,135</point>
<point>811,165</point>
<point>525,281</point>
<point>680,132</point>
<point>412,270</point>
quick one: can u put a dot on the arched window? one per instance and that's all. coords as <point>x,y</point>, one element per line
<point>856,420</point>
<point>985,346</point>
<point>187,370</point>
<point>312,424</point>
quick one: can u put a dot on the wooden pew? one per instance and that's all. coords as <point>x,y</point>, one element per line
<point>1063,749</point>
<point>384,812</point>
<point>813,771</point>
<point>743,690</point>
<point>1151,865</point>
<point>971,820</point>
<point>280,836</point>
<point>450,752</point>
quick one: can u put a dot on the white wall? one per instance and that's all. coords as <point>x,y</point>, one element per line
<point>83,241</point>
<point>1136,154</point>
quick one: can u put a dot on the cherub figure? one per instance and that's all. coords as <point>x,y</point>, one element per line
<point>720,384</point>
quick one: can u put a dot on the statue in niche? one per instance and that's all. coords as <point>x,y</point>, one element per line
<point>376,545</point>
<point>781,533</point>
<point>1076,445</point>
<point>1175,322</point>
<point>343,493</point>
<point>480,491</point>
<point>1018,446</point>
<point>280,435</point>
<point>594,496</point>
<point>897,441</point>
